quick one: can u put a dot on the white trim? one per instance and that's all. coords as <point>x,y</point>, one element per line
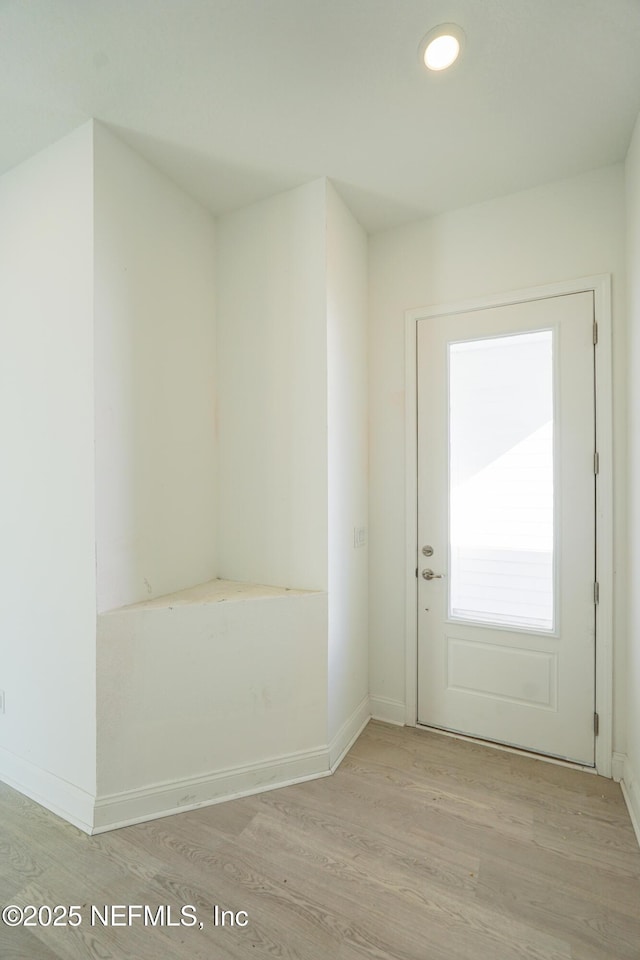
<point>605,562</point>
<point>411,519</point>
<point>348,733</point>
<point>617,766</point>
<point>600,285</point>
<point>178,796</point>
<point>631,793</point>
<point>389,711</point>
<point>64,799</point>
<point>113,811</point>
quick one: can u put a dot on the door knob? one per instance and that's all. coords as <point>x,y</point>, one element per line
<point>430,575</point>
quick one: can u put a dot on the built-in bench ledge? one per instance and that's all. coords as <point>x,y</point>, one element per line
<point>215,591</point>
<point>211,692</point>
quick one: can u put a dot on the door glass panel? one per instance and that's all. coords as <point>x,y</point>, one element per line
<point>501,509</point>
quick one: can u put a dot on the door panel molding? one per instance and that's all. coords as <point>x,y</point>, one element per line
<point>600,285</point>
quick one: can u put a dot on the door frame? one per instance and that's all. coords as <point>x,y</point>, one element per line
<point>600,285</point>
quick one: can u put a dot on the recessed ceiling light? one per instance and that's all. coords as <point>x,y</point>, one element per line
<point>441,47</point>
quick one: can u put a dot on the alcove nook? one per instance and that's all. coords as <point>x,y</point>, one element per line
<point>229,382</point>
<point>190,468</point>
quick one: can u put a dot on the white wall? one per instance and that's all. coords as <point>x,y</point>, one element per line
<point>632,770</point>
<point>347,461</point>
<point>292,374</point>
<point>561,231</point>
<point>47,607</point>
<point>156,498</point>
<point>272,370</point>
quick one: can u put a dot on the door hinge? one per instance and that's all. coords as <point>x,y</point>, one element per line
<point>596,463</point>
<point>595,333</point>
<point>596,592</point>
<point>416,573</point>
<point>596,724</point>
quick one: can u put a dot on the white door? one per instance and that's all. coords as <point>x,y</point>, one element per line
<point>506,525</point>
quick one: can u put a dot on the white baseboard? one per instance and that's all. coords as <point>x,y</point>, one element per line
<point>631,793</point>
<point>349,733</point>
<point>617,766</point>
<point>161,800</point>
<point>112,811</point>
<point>391,711</point>
<point>64,799</point>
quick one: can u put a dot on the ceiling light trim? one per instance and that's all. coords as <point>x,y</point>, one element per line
<point>435,64</point>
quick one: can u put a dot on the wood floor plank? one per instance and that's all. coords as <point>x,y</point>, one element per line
<point>21,944</point>
<point>420,847</point>
<point>577,917</point>
<point>534,782</point>
<point>407,899</point>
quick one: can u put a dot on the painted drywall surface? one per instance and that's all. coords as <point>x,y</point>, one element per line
<point>47,609</point>
<point>186,691</point>
<point>633,653</point>
<point>347,460</point>
<point>272,368</point>
<point>556,232</point>
<point>155,381</point>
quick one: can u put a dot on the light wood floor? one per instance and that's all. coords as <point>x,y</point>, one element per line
<point>420,847</point>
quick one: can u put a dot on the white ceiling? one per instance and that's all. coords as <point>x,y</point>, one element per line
<point>238,99</point>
